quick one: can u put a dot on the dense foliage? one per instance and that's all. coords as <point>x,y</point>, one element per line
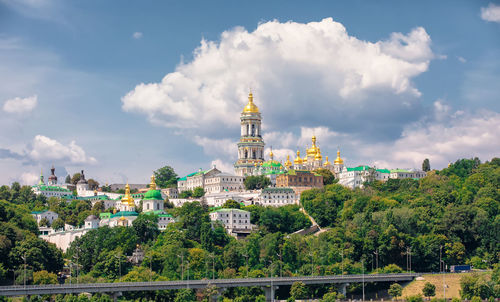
<point>166,177</point>
<point>256,182</point>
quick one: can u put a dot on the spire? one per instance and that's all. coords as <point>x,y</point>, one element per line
<point>338,160</point>
<point>250,107</point>
<point>288,163</point>
<point>298,160</point>
<point>152,185</point>
<point>327,163</point>
<point>271,155</point>
<point>127,198</point>
<point>41,183</point>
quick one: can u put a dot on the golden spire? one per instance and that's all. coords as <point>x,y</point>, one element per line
<point>288,163</point>
<point>152,185</point>
<point>327,163</point>
<point>298,160</point>
<point>271,155</point>
<point>127,198</point>
<point>318,156</point>
<point>338,160</point>
<point>250,107</point>
<point>311,152</point>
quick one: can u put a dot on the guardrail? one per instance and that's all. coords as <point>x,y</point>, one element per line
<point>220,283</point>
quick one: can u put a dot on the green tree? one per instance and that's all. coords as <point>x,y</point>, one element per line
<point>68,179</point>
<point>328,176</point>
<point>298,291</point>
<point>329,297</point>
<point>429,290</point>
<point>426,166</point>
<point>146,227</point>
<point>256,182</point>
<point>166,177</point>
<point>395,290</point>
<point>192,216</point>
<point>231,204</point>
<point>185,295</point>
<point>198,192</point>
<point>44,222</point>
<point>186,194</point>
<point>93,184</point>
<point>44,277</point>
<point>75,178</point>
<point>58,223</point>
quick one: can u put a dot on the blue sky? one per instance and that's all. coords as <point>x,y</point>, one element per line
<point>390,82</point>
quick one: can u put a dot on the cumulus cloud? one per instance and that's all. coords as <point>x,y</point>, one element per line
<point>20,105</point>
<point>29,178</point>
<point>491,13</point>
<point>290,66</point>
<point>137,35</point>
<point>46,150</point>
<point>223,165</point>
<point>463,136</point>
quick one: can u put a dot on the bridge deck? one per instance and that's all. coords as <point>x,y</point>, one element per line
<point>219,283</point>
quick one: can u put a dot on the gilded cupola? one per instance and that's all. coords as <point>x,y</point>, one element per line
<point>250,107</point>
<point>288,163</point>
<point>326,163</point>
<point>127,198</point>
<point>338,160</point>
<point>298,160</point>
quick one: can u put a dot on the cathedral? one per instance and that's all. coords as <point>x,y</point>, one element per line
<point>251,150</point>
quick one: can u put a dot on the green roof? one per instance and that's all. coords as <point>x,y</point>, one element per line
<point>125,213</point>
<point>164,215</point>
<point>51,188</point>
<point>400,170</point>
<point>153,195</point>
<point>135,195</point>
<point>272,163</point>
<point>192,174</point>
<point>104,215</point>
<point>38,212</point>
<point>359,168</point>
<point>227,210</point>
<point>383,171</point>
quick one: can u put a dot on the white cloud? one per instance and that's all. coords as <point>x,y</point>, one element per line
<point>20,105</point>
<point>223,166</point>
<point>289,66</point>
<point>137,35</point>
<point>28,178</point>
<point>461,59</point>
<point>491,13</point>
<point>464,136</point>
<point>217,147</point>
<point>47,149</point>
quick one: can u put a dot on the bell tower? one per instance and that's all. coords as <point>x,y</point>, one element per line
<point>251,145</point>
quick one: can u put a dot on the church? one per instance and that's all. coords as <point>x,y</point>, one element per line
<point>251,151</point>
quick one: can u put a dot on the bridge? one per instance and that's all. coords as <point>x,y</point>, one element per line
<point>267,284</point>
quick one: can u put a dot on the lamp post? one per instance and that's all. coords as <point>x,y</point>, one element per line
<point>312,263</point>
<point>119,265</point>
<point>246,258</point>
<point>342,263</point>
<point>279,255</point>
<point>363,272</point>
<point>187,265</point>
<point>24,258</point>
<point>182,265</point>
<point>376,259</point>
<point>213,266</point>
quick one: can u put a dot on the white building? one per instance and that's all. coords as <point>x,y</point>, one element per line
<point>153,200</point>
<point>170,192</point>
<point>63,238</point>
<point>234,220</point>
<point>164,220</point>
<point>52,189</point>
<point>218,199</point>
<point>223,182</point>
<point>82,186</point>
<point>277,197</point>
<point>356,177</point>
<point>49,215</point>
<point>410,173</point>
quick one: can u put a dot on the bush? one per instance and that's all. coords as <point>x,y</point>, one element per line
<point>415,298</point>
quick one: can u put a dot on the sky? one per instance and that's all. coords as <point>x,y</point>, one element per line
<point>120,89</point>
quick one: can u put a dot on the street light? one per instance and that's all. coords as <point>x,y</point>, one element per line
<point>376,259</point>
<point>182,265</point>
<point>279,255</point>
<point>24,258</point>
<point>246,258</point>
<point>119,266</point>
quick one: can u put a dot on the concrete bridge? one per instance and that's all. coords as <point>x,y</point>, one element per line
<point>267,284</point>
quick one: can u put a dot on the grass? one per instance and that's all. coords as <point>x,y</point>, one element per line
<point>451,280</point>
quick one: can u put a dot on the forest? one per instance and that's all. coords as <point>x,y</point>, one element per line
<point>451,213</point>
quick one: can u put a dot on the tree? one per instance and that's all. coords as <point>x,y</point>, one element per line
<point>186,194</point>
<point>231,204</point>
<point>426,166</point>
<point>68,179</point>
<point>429,290</point>
<point>93,184</point>
<point>198,192</point>
<point>58,224</point>
<point>329,297</point>
<point>44,277</point>
<point>395,290</point>
<point>328,176</point>
<point>298,291</point>
<point>146,227</point>
<point>185,295</point>
<point>75,178</point>
<point>256,182</point>
<point>44,222</point>
<point>165,177</point>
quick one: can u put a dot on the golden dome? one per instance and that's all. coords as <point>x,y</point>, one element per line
<point>327,163</point>
<point>318,156</point>
<point>152,185</point>
<point>250,107</point>
<point>271,154</point>
<point>338,160</point>
<point>288,163</point>
<point>298,160</point>
<point>127,198</point>
<point>313,150</point>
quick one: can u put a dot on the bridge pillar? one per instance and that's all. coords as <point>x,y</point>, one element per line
<point>269,292</point>
<point>343,288</point>
<point>115,296</point>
